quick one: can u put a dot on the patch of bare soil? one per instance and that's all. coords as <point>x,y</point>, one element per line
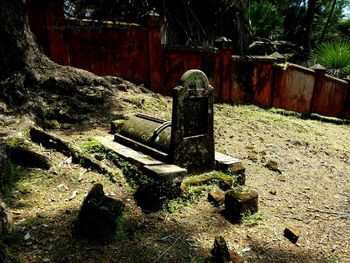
<point>309,190</point>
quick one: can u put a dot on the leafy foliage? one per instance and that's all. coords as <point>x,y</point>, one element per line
<point>335,56</point>
<point>264,20</point>
<point>344,27</point>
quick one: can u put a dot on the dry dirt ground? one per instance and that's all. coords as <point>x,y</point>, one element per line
<point>311,193</point>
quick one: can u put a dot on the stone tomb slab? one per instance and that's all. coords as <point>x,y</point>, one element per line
<point>144,162</point>
<point>136,158</point>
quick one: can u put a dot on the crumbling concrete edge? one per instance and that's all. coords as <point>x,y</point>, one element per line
<point>51,141</point>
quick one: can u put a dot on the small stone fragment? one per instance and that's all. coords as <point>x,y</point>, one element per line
<point>27,236</point>
<point>282,178</point>
<point>73,195</point>
<point>240,201</point>
<point>42,214</point>
<point>253,156</point>
<point>297,143</point>
<point>237,168</point>
<point>273,166</point>
<point>98,157</point>
<point>273,192</point>
<point>216,197</point>
<point>292,234</point>
<point>246,249</point>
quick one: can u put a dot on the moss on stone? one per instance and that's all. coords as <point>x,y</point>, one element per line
<point>221,179</point>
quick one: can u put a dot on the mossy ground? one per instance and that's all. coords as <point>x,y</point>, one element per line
<point>312,193</point>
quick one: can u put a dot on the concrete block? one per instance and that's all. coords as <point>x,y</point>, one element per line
<point>225,162</point>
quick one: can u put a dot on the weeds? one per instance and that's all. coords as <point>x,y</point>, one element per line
<point>93,146</point>
<point>256,219</point>
<point>201,182</point>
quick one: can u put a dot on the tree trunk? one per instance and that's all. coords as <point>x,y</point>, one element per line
<point>32,83</point>
<point>17,46</point>
<point>310,14</point>
<point>327,22</point>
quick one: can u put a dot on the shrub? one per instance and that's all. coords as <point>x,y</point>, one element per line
<point>335,56</point>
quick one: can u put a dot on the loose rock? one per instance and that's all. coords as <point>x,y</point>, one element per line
<point>292,234</point>
<point>273,166</point>
<point>221,254</point>
<point>273,192</point>
<point>240,201</point>
<point>253,156</point>
<point>99,216</point>
<point>216,197</point>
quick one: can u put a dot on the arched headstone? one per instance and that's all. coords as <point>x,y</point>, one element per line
<point>192,138</point>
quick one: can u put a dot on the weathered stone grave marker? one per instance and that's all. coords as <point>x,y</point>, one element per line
<point>192,138</point>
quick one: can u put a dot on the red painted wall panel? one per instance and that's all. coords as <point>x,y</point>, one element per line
<point>293,88</point>
<point>331,97</point>
<point>121,53</point>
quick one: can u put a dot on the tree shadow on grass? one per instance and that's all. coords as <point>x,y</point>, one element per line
<point>51,238</point>
<point>142,238</point>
